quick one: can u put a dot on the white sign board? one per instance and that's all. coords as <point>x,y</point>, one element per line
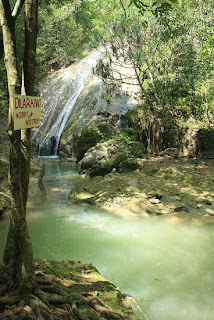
<point>26,112</point>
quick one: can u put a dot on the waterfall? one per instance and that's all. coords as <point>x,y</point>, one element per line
<point>123,110</point>
<point>59,97</point>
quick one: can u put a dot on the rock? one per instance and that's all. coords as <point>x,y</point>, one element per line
<point>152,195</point>
<point>107,157</point>
<point>181,208</point>
<point>208,202</point>
<point>154,201</point>
<point>97,160</point>
<point>82,198</point>
<point>173,171</point>
<point>173,152</point>
<point>199,206</point>
<point>72,159</point>
<point>28,309</point>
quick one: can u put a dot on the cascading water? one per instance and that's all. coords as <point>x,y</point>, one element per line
<point>123,111</point>
<point>59,97</point>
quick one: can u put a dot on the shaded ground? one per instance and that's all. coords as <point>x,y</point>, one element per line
<point>162,185</point>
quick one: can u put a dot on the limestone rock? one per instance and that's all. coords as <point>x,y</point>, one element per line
<point>154,201</point>
<point>173,152</point>
<point>180,209</point>
<point>108,156</point>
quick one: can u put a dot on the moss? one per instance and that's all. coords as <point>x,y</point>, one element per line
<point>85,279</point>
<point>102,169</point>
<point>87,138</point>
<point>136,149</point>
<point>150,169</point>
<point>106,129</point>
<point>128,165</point>
<point>123,158</point>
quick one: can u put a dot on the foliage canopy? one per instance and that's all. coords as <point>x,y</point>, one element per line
<point>170,44</point>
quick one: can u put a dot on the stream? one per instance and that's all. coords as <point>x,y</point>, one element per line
<point>165,263</point>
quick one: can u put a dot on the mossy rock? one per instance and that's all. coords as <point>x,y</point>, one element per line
<point>118,155</point>
<point>136,149</point>
<point>120,163</point>
<point>86,139</point>
<point>128,165</point>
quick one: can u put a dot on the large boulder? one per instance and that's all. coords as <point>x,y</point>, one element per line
<point>101,127</point>
<point>111,155</point>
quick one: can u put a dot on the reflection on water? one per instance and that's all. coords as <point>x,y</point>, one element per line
<point>165,263</point>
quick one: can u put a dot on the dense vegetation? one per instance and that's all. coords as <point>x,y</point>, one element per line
<point>169,43</point>
<point>171,50</point>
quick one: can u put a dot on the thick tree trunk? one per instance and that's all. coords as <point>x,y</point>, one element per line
<point>31,13</point>
<point>16,10</point>
<point>18,266</point>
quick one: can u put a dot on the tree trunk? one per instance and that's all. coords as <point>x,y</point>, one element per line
<point>18,266</point>
<point>16,10</point>
<point>31,13</point>
<point>1,47</point>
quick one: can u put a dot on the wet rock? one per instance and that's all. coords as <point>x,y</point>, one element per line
<point>84,197</point>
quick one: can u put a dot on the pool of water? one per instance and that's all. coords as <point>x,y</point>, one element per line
<point>165,263</point>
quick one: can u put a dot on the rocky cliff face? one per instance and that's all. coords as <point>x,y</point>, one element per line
<point>73,95</point>
<point>100,102</point>
<point>81,112</point>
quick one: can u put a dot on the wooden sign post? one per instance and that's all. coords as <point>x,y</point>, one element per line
<point>26,111</point>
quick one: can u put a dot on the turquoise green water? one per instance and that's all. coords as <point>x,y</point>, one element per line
<point>165,263</point>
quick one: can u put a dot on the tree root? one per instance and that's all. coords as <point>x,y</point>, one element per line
<point>8,300</point>
<point>50,306</point>
<point>52,300</point>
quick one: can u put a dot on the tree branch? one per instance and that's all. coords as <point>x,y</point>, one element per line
<point>17,7</point>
